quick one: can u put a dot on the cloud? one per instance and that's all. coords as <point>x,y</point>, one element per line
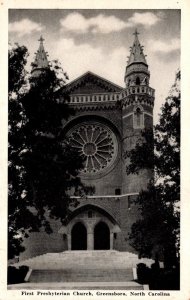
<point>25,27</point>
<point>146,19</point>
<point>77,59</point>
<point>159,46</point>
<point>101,23</point>
<point>106,24</point>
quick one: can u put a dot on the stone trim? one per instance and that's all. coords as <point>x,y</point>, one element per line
<point>107,196</point>
<point>95,107</point>
<point>94,98</point>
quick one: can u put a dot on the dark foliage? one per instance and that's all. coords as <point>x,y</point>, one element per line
<point>157,278</point>
<point>43,168</point>
<point>143,274</point>
<point>157,231</point>
<point>16,275</point>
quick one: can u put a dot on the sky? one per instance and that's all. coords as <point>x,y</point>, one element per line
<point>99,40</point>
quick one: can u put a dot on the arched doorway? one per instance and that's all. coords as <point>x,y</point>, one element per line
<point>79,237</point>
<point>101,237</point>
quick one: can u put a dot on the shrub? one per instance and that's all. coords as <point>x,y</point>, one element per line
<point>17,275</point>
<point>143,273</point>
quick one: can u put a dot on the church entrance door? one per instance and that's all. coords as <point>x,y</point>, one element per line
<point>79,237</point>
<point>101,237</point>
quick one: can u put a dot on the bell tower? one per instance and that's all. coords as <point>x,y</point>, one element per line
<point>137,111</point>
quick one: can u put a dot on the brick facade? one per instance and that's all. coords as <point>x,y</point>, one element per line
<point>108,121</point>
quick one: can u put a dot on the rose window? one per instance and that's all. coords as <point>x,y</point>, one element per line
<point>96,143</point>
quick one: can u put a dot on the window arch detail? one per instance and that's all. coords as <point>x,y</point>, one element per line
<point>138,117</point>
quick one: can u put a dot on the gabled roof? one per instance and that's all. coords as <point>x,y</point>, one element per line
<point>90,83</point>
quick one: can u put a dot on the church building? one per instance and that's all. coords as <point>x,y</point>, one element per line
<point>108,121</point>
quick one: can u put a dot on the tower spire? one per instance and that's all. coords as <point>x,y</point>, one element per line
<point>136,55</point>
<point>41,62</point>
<point>137,72</point>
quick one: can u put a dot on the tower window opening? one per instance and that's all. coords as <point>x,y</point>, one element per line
<point>115,235</point>
<point>129,201</point>
<point>138,81</point>
<point>138,112</point>
<point>117,191</point>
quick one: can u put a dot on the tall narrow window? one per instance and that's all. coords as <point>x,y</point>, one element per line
<point>138,113</point>
<point>129,201</point>
<point>137,81</point>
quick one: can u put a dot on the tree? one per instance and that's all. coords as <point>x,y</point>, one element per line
<point>158,228</point>
<point>17,61</point>
<point>43,167</point>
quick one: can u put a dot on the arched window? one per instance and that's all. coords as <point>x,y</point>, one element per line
<point>101,236</point>
<point>138,81</point>
<point>79,237</point>
<point>138,117</point>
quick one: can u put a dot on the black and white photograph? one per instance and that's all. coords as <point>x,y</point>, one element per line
<point>94,152</point>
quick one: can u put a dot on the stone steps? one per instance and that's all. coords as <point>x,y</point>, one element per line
<point>114,286</point>
<point>82,275</point>
<point>85,269</point>
<point>89,259</point>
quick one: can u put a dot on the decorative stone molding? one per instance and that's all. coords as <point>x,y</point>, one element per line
<point>94,98</point>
